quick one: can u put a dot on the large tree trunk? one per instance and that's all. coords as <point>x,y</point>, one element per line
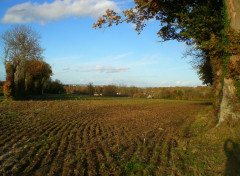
<point>217,82</point>
<point>228,106</point>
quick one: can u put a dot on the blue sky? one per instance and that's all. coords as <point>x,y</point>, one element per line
<point>80,54</point>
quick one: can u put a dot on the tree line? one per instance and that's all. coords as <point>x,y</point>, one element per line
<point>174,93</point>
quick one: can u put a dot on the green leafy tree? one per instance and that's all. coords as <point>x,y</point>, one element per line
<point>210,26</point>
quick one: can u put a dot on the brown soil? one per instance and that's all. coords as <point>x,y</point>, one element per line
<point>101,137</point>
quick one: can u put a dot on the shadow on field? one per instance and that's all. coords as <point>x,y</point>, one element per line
<point>232,151</point>
<point>205,103</point>
<point>48,97</point>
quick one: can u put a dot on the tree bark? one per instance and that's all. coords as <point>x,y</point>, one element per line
<point>217,82</point>
<point>229,105</point>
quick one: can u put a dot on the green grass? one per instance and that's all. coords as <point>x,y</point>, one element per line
<point>201,147</point>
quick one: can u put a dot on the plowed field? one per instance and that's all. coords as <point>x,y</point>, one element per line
<point>92,137</point>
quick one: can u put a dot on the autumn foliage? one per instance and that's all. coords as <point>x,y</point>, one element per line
<point>37,76</point>
<point>34,80</point>
<point>26,71</point>
<point>233,69</point>
<point>8,87</point>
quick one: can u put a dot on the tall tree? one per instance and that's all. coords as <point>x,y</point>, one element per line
<point>204,25</point>
<point>90,89</point>
<point>21,45</point>
<point>231,87</point>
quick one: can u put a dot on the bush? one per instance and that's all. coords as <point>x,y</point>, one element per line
<point>55,87</point>
<point>139,95</point>
<point>7,90</point>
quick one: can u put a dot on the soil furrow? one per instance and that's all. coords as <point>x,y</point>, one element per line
<point>57,164</point>
<point>41,154</point>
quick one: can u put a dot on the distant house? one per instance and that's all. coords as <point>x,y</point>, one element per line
<point>97,95</point>
<point>149,96</point>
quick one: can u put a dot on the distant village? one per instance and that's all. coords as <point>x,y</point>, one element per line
<point>178,93</point>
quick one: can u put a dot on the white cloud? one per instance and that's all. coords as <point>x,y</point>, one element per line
<point>186,83</point>
<point>66,68</point>
<point>121,56</point>
<point>58,9</point>
<point>107,69</point>
<point>58,72</point>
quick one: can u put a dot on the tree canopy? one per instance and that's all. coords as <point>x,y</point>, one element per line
<point>204,25</point>
<point>23,59</point>
<point>21,43</point>
<point>191,21</point>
